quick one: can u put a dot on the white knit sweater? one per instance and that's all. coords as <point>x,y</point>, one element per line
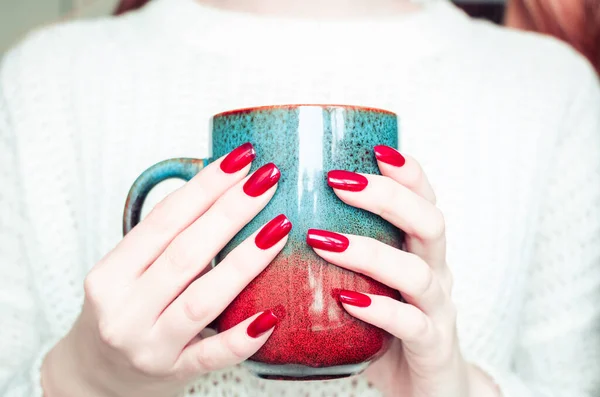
<point>506,125</point>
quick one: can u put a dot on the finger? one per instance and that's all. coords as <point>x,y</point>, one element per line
<point>208,296</point>
<point>397,269</point>
<point>227,348</point>
<point>147,240</point>
<point>402,320</point>
<point>404,170</point>
<point>418,218</point>
<point>194,248</point>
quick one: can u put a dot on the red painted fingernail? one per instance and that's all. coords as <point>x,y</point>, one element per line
<point>238,158</point>
<point>273,232</point>
<point>262,180</point>
<point>354,298</point>
<point>326,240</point>
<point>261,324</point>
<point>346,180</point>
<point>389,155</point>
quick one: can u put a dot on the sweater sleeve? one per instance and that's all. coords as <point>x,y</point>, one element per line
<point>22,341</point>
<point>558,351</point>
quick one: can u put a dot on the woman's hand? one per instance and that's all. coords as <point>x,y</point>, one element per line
<point>147,301</point>
<point>425,359</point>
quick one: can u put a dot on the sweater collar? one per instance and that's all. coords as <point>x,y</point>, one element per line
<point>214,30</point>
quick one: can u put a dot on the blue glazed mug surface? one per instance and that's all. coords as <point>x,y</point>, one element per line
<point>315,338</point>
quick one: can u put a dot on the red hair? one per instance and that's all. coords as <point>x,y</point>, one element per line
<point>575,21</point>
<point>129,5</point>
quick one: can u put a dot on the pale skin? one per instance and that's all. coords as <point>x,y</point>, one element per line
<point>145,303</point>
<point>425,359</point>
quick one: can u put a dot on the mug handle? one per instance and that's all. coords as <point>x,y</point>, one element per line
<point>180,168</point>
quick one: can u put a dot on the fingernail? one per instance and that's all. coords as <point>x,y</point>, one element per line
<point>326,240</point>
<point>273,232</point>
<point>389,155</point>
<point>354,298</point>
<point>346,180</point>
<point>261,324</point>
<point>262,180</point>
<point>238,158</point>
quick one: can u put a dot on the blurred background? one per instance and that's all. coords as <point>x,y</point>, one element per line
<point>17,17</point>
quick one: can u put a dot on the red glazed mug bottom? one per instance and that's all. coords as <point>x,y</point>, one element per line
<point>315,338</point>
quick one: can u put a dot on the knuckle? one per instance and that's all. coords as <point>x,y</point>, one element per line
<point>195,312</point>
<point>109,334</point>
<point>419,328</point>
<point>389,322</point>
<point>177,258</point>
<point>238,275</point>
<point>394,191</point>
<point>448,281</point>
<point>181,375</point>
<point>436,227</point>
<point>391,190</point>
<point>423,278</point>
<point>236,347</point>
<point>374,259</point>
<point>204,360</point>
<point>230,215</point>
<point>158,214</point>
<point>91,287</point>
<point>238,262</point>
<point>373,255</point>
<point>161,209</point>
<point>145,361</point>
<point>164,216</point>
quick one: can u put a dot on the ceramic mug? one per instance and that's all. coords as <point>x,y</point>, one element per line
<point>315,338</point>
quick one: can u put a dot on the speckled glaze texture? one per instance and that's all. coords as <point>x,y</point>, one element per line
<point>315,338</point>
<point>180,168</point>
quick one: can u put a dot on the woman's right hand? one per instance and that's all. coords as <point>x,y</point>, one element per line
<point>147,301</point>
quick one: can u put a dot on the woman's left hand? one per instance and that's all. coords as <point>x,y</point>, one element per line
<point>425,360</point>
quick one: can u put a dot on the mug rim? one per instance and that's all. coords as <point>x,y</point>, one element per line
<point>251,109</point>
